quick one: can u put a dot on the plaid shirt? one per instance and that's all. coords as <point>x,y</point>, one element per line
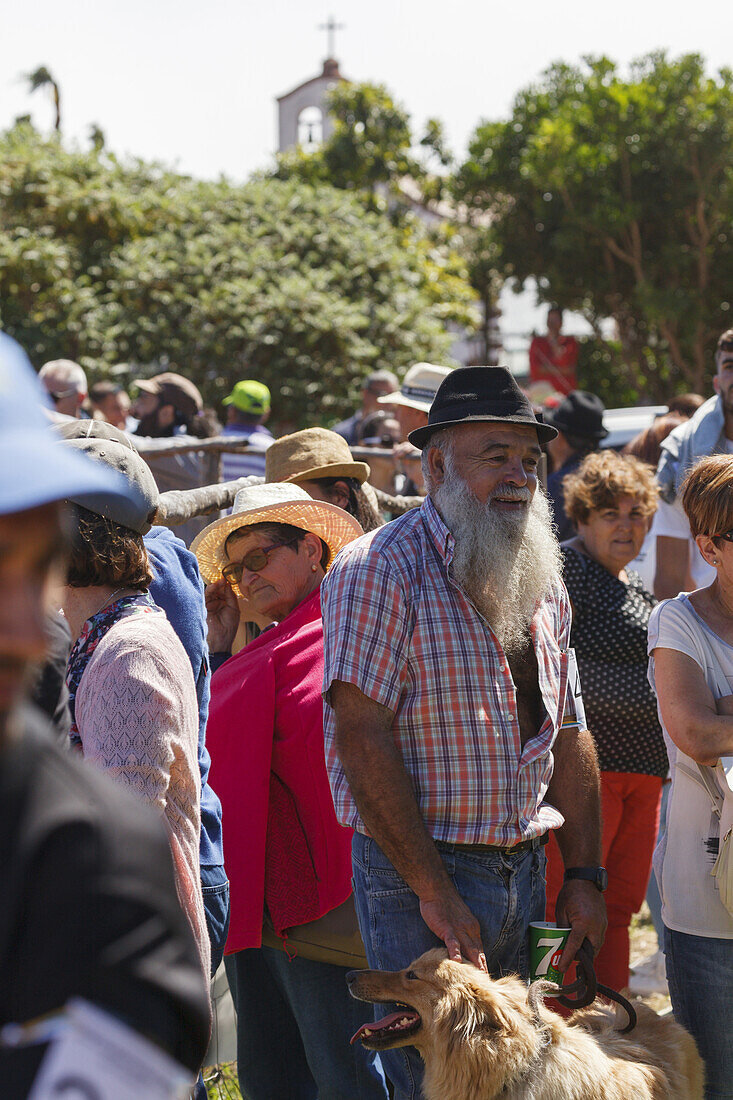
<point>398,627</point>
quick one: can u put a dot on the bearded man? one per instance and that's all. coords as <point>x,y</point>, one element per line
<point>449,749</point>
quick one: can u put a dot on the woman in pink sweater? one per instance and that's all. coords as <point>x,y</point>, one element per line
<point>287,858</point>
<point>131,689</point>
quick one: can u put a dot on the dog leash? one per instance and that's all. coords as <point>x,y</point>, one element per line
<point>587,986</point>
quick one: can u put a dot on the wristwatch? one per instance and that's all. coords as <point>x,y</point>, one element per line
<point>597,875</point>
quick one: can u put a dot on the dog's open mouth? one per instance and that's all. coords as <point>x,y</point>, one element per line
<point>384,1032</point>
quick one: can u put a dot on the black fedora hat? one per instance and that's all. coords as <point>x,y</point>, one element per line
<point>471,394</point>
<point>579,414</point>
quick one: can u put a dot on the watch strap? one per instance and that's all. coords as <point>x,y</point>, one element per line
<point>597,875</point>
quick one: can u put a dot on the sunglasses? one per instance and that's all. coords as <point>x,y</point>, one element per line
<point>727,535</point>
<point>254,561</point>
<point>59,395</point>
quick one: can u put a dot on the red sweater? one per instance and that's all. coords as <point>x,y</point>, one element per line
<point>282,842</point>
<point>557,369</point>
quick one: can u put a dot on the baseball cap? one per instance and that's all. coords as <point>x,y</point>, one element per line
<point>137,509</point>
<point>35,468</point>
<point>249,397</point>
<point>173,389</point>
<point>93,429</point>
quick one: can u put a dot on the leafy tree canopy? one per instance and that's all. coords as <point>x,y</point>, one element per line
<point>293,283</point>
<point>371,142</point>
<point>616,195</point>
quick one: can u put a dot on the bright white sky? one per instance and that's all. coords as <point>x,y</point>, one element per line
<point>193,84</point>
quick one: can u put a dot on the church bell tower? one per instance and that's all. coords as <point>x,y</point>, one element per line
<point>302,116</point>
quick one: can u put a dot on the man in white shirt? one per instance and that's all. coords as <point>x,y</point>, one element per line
<point>679,563</point>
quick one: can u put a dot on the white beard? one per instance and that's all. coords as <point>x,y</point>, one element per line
<point>506,562</point>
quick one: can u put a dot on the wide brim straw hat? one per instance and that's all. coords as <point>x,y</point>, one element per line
<point>274,502</point>
<point>311,454</point>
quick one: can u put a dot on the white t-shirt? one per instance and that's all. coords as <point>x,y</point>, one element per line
<point>671,520</point>
<point>683,860</point>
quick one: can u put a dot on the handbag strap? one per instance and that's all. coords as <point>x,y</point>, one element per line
<point>705,777</point>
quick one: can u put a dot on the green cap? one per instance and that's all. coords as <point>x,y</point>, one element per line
<point>249,397</point>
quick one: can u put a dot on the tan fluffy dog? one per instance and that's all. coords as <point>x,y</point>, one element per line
<point>480,1038</point>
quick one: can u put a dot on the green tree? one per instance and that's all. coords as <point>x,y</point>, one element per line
<point>615,194</point>
<point>371,142</point>
<point>295,284</point>
<point>374,153</point>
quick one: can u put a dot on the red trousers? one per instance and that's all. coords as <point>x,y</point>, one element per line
<point>630,809</point>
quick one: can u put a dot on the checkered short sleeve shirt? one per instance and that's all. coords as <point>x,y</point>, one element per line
<point>398,627</point>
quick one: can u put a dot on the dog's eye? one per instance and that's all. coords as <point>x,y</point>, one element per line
<point>411,976</point>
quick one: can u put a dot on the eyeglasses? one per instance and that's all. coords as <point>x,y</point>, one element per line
<point>727,535</point>
<point>59,395</point>
<point>254,561</point>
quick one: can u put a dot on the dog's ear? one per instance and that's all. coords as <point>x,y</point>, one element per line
<point>471,1009</point>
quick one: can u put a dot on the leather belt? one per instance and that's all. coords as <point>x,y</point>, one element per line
<point>523,846</point>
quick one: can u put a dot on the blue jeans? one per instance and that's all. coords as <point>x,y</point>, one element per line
<point>294,1022</point>
<point>504,892</point>
<point>700,977</point>
<point>215,890</point>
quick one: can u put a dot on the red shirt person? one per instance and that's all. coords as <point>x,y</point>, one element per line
<point>554,358</point>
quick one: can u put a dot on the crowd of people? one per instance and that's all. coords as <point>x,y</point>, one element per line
<point>348,736</point>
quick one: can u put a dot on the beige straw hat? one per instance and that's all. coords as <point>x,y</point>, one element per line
<point>418,388</point>
<point>310,454</point>
<point>273,503</point>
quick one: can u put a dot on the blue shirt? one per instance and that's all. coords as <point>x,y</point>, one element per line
<point>177,588</point>
<point>253,462</point>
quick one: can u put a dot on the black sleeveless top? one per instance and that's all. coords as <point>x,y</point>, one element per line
<point>609,635</point>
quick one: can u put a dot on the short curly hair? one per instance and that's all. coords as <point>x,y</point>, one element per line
<point>707,496</point>
<point>103,552</point>
<point>602,479</point>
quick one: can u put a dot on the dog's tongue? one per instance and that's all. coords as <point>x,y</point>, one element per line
<point>394,1022</point>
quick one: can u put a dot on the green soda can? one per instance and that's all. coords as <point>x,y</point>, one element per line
<point>546,945</point>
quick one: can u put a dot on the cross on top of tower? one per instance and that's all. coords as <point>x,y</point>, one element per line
<point>331,27</point>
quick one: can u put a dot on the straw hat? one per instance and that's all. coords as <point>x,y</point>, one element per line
<point>311,454</point>
<point>273,503</point>
<point>418,388</point>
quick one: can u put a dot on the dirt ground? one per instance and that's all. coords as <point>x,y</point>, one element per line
<point>221,1081</point>
<point>643,944</point>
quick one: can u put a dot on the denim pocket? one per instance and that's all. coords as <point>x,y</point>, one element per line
<point>216,911</point>
<point>397,931</point>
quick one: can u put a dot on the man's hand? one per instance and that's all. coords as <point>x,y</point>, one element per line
<point>580,906</point>
<point>222,613</point>
<point>449,918</point>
